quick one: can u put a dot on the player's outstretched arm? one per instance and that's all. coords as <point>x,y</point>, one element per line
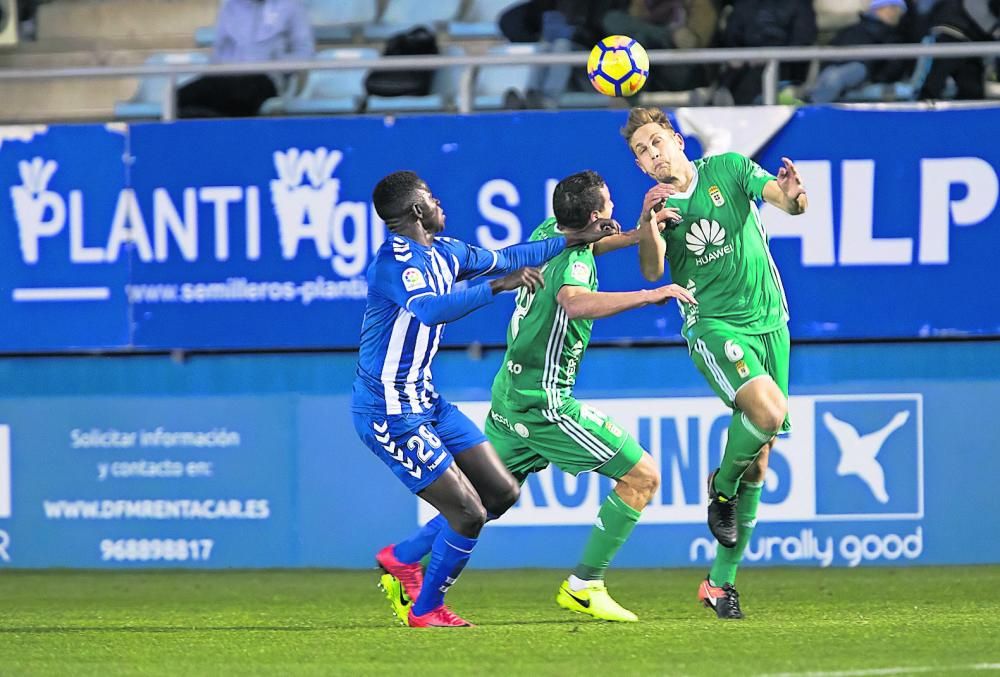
<point>431,308</point>
<point>580,303</point>
<point>593,232</point>
<point>631,238</point>
<point>616,242</point>
<point>787,193</point>
<point>533,254</point>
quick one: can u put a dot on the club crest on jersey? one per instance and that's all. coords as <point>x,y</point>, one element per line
<point>413,279</point>
<point>716,195</point>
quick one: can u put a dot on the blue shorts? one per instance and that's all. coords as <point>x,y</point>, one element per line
<point>418,448</point>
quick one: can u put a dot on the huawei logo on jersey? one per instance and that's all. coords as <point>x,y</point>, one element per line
<point>704,233</point>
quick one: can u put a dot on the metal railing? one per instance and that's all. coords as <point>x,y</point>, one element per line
<point>770,58</point>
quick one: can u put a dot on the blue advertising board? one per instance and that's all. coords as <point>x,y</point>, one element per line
<point>59,288</point>
<point>257,233</point>
<point>244,461</point>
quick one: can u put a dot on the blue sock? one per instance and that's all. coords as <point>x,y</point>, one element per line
<point>449,555</point>
<point>419,544</point>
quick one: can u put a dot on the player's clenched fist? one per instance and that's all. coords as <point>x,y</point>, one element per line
<point>652,206</point>
<point>522,277</point>
<point>672,291</point>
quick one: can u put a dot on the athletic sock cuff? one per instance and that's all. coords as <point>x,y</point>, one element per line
<point>627,510</point>
<point>763,436</point>
<point>751,485</point>
<point>457,540</point>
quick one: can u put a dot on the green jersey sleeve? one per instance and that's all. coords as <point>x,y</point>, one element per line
<point>751,176</point>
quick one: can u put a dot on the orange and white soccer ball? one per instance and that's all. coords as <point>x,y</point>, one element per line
<point>618,66</point>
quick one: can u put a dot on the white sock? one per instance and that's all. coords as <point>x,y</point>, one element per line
<point>577,584</point>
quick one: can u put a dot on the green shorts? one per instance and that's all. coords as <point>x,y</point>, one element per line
<point>729,359</point>
<point>576,438</point>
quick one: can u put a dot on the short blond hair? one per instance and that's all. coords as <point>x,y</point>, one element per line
<point>637,117</point>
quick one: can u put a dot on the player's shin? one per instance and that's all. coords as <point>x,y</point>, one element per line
<point>742,448</point>
<point>727,560</point>
<point>416,547</point>
<point>615,523</point>
<point>449,555</point>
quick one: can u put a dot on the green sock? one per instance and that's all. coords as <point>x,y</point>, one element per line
<point>742,448</point>
<point>727,560</point>
<point>615,522</point>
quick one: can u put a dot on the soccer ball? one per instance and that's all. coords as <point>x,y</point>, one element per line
<point>618,66</point>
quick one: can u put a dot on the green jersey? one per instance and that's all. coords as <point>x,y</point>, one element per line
<point>719,250</point>
<point>544,346</point>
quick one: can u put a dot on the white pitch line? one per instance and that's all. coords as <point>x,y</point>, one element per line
<point>62,294</point>
<point>876,672</point>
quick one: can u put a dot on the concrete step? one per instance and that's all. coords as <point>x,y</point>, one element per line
<point>102,56</point>
<point>130,19</point>
<point>73,99</point>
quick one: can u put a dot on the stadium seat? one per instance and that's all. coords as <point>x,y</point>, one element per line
<point>479,20</point>
<point>444,89</point>
<point>331,91</point>
<point>400,15</point>
<point>204,36</point>
<point>336,20</point>
<point>148,99</point>
<point>494,82</point>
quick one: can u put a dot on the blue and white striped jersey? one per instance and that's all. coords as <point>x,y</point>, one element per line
<point>410,298</point>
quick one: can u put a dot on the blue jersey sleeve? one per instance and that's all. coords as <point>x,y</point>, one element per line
<point>473,261</point>
<point>407,284</point>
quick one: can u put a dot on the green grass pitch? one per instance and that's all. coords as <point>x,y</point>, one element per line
<point>826,622</point>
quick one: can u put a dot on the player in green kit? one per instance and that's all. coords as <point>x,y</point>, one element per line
<point>534,419</point>
<point>737,334</point>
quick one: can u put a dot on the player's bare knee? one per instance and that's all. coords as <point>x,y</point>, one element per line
<point>469,517</point>
<point>642,481</point>
<point>501,501</point>
<point>769,415</point>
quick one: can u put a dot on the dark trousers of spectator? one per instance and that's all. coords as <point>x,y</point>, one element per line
<point>653,36</point>
<point>229,96</point>
<point>744,83</point>
<point>967,73</point>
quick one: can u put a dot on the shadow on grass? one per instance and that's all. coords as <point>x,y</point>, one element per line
<point>166,629</point>
<point>40,630</point>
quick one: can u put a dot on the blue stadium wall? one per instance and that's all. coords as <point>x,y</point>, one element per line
<point>254,235</point>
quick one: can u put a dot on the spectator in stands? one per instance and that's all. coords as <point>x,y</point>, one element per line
<point>880,25</point>
<point>961,21</point>
<point>248,31</point>
<point>25,18</point>
<point>763,23</point>
<point>668,24</point>
<point>560,26</point>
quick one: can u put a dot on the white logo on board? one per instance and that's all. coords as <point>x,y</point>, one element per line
<point>858,452</point>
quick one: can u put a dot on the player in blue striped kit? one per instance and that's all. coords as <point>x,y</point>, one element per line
<point>434,449</point>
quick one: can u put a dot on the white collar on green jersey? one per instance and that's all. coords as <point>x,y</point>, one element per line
<point>694,182</point>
